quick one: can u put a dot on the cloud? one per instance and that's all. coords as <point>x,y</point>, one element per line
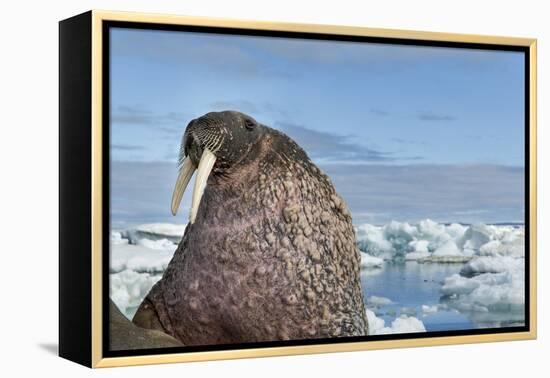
<point>447,193</point>
<point>355,53</point>
<point>409,141</point>
<point>286,58</point>
<point>320,146</point>
<point>244,106</point>
<point>428,116</point>
<point>252,108</point>
<point>138,115</point>
<point>423,116</point>
<point>374,193</point>
<point>140,193</point>
<point>133,109</point>
<point>172,131</point>
<point>237,55</point>
<point>126,147</point>
<point>326,146</point>
<point>380,112</point>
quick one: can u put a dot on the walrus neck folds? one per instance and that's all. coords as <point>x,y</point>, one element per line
<point>244,170</point>
<point>254,179</point>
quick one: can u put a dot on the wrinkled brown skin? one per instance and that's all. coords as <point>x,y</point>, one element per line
<point>125,335</point>
<point>271,256</point>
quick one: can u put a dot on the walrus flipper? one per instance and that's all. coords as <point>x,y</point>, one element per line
<point>125,335</point>
<point>146,316</point>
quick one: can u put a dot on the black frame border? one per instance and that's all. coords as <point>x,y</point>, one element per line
<point>75,182</point>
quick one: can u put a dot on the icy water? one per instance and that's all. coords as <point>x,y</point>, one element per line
<point>409,285</point>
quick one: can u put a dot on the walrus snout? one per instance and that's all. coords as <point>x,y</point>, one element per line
<point>194,148</point>
<point>223,137</point>
<point>206,132</point>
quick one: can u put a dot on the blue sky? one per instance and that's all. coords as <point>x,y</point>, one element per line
<point>404,120</point>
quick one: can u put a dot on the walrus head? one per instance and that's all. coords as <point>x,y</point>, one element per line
<point>217,139</point>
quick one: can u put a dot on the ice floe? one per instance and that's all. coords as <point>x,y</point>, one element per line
<point>402,324</point>
<point>136,263</point>
<point>370,262</point>
<point>487,292</point>
<point>116,238</point>
<point>139,258</point>
<point>491,283</point>
<point>404,241</point>
<point>163,229</point>
<point>128,288</point>
<point>154,231</point>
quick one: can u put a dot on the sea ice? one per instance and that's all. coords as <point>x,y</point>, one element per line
<point>484,264</point>
<point>407,324</point>
<point>166,229</point>
<point>402,324</point>
<point>411,256</point>
<point>116,238</point>
<point>160,244</point>
<point>370,262</point>
<point>495,292</point>
<point>492,279</point>
<point>457,285</point>
<point>449,248</point>
<point>372,241</point>
<point>155,231</point>
<point>475,236</point>
<point>128,288</point>
<point>139,258</point>
<point>428,241</point>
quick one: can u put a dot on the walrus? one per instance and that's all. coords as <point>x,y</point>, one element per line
<point>125,335</point>
<point>269,252</point>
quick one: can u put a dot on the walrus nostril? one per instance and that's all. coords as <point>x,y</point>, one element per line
<point>188,142</point>
<point>249,124</point>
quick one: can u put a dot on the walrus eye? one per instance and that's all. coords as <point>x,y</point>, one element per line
<point>249,124</point>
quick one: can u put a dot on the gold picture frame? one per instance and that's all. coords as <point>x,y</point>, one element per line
<point>76,271</point>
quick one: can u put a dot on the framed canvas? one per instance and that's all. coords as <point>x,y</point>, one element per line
<point>235,189</point>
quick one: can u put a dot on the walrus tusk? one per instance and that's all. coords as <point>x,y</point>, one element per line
<point>186,171</point>
<point>205,167</point>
